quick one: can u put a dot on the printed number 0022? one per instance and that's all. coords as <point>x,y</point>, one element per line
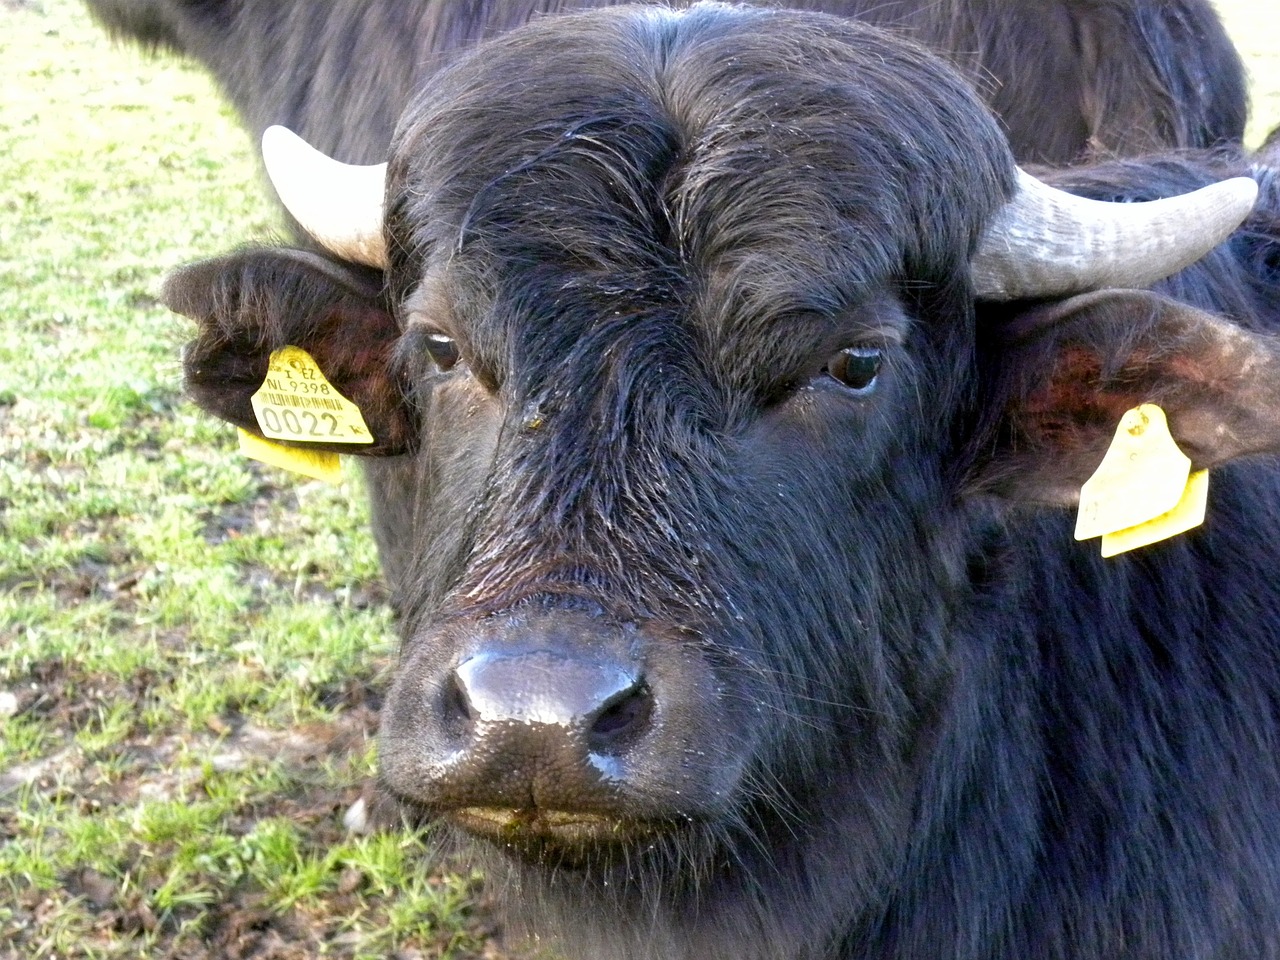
<point>306,424</point>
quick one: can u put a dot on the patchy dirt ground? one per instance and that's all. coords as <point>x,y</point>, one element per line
<point>114,913</point>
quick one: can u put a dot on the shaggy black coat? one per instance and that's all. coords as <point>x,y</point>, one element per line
<point>1066,76</point>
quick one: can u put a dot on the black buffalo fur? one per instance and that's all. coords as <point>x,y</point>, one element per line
<point>1068,77</point>
<point>941,727</point>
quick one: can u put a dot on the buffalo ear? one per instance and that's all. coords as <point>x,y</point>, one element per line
<point>248,304</point>
<point>1063,374</point>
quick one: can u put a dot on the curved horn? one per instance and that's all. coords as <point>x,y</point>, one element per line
<point>1047,242</point>
<point>338,204</point>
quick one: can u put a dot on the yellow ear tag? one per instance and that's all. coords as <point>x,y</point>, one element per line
<point>1143,491</point>
<point>296,403</point>
<point>1142,476</point>
<point>319,464</point>
<point>1188,514</point>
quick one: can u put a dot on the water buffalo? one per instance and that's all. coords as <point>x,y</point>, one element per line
<point>742,386</point>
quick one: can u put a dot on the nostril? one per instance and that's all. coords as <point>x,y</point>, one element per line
<point>459,714</point>
<point>622,720</point>
<point>602,705</point>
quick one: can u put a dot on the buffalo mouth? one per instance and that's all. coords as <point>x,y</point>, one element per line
<point>568,836</point>
<point>563,825</point>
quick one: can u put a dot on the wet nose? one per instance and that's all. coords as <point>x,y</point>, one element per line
<point>542,716</point>
<point>596,705</point>
<point>542,728</point>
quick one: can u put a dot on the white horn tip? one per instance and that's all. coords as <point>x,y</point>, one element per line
<point>338,204</point>
<point>1239,194</point>
<point>277,140</point>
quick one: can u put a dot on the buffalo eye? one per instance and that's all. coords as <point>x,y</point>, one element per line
<point>857,368</point>
<point>443,350</point>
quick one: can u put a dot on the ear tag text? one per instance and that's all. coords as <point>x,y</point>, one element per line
<point>317,464</point>
<point>1143,491</point>
<point>297,403</point>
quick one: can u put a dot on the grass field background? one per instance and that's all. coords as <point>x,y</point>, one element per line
<point>191,647</point>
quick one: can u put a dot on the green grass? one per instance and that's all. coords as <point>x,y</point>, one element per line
<point>189,638</point>
<point>193,643</point>
<point>1254,25</point>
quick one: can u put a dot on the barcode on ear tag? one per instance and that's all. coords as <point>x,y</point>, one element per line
<point>296,402</point>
